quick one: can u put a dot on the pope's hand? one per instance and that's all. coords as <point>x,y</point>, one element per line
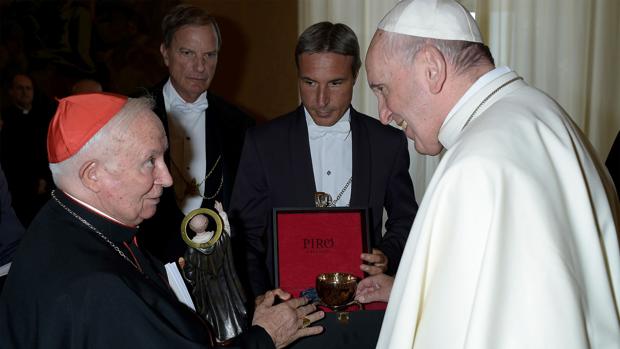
<point>374,288</point>
<point>377,262</point>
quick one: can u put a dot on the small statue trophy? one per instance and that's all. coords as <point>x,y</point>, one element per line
<point>209,268</point>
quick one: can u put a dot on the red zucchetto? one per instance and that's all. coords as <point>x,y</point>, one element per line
<point>77,119</point>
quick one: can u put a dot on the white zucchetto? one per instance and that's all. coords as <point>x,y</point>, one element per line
<point>434,19</point>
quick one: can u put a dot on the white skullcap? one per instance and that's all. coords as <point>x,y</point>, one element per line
<point>434,19</point>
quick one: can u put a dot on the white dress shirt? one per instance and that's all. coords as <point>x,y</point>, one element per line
<point>332,159</point>
<point>186,124</point>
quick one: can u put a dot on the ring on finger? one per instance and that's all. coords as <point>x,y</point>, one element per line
<point>305,322</point>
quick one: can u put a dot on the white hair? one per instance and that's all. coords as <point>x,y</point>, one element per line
<point>103,144</point>
<point>463,55</point>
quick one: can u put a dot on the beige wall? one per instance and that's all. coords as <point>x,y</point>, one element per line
<point>256,67</point>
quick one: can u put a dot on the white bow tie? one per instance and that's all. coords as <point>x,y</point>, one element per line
<point>340,130</point>
<point>190,108</point>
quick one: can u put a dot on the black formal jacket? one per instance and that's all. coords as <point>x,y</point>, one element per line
<point>225,129</point>
<point>276,171</point>
<point>69,288</point>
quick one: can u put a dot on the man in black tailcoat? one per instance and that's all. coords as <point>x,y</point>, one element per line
<point>205,133</point>
<point>324,146</point>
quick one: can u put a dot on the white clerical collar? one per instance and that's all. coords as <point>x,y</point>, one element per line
<point>172,97</point>
<point>345,118</point>
<point>488,85</point>
<point>99,212</point>
<point>481,82</point>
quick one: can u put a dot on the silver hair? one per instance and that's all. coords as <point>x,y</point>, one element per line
<point>104,144</point>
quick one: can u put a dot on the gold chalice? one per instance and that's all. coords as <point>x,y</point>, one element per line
<point>337,290</point>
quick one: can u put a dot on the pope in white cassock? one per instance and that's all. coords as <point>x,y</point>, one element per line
<point>515,243</point>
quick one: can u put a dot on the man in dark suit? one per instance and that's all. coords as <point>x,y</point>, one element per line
<point>205,133</point>
<point>324,146</point>
<point>22,148</point>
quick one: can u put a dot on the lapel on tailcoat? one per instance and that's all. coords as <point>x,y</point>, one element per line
<point>302,176</point>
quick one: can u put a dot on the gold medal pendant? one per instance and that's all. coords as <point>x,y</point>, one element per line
<point>322,199</point>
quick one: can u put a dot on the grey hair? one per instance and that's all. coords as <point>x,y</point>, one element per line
<point>462,55</point>
<point>103,144</point>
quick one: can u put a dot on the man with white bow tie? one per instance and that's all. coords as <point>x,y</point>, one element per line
<point>324,146</point>
<point>205,133</point>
